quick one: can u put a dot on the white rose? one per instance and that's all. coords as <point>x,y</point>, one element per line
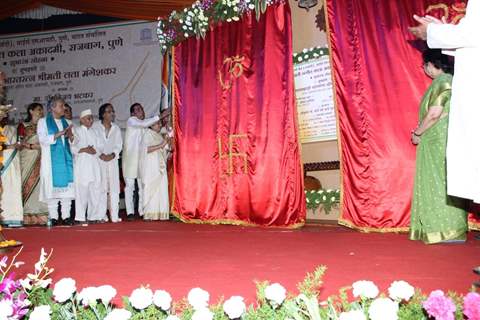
<point>141,298</point>
<point>365,289</point>
<point>198,298</point>
<point>119,314</point>
<point>234,307</point>
<point>352,315</point>
<point>89,296</point>
<point>41,313</point>
<point>202,314</point>
<point>276,294</point>
<point>6,309</point>
<point>162,299</point>
<point>383,309</point>
<point>401,290</point>
<point>106,293</point>
<point>64,289</point>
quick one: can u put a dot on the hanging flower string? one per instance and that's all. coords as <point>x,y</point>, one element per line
<point>325,198</point>
<point>195,21</point>
<point>309,54</point>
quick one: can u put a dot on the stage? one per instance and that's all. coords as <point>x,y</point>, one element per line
<point>225,260</point>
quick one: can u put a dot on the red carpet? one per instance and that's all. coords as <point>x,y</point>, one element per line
<point>225,260</point>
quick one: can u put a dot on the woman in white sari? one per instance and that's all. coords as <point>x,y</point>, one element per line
<point>34,211</point>
<point>153,173</point>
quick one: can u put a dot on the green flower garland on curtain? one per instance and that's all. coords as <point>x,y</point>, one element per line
<point>326,198</point>
<point>310,54</point>
<point>195,20</point>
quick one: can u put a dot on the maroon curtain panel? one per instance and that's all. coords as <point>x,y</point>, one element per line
<point>237,155</point>
<point>379,81</point>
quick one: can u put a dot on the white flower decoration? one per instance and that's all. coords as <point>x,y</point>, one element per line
<point>141,298</point>
<point>41,313</point>
<point>234,307</point>
<point>198,298</point>
<point>118,314</point>
<point>365,289</point>
<point>202,314</point>
<point>89,296</point>
<point>162,299</point>
<point>383,309</point>
<point>6,309</point>
<point>26,283</point>
<point>275,294</point>
<point>106,293</point>
<point>352,315</point>
<point>64,289</point>
<point>401,290</point>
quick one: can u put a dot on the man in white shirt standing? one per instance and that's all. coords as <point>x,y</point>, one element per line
<point>111,144</point>
<point>136,126</point>
<point>462,40</point>
<point>85,148</point>
<point>56,172</point>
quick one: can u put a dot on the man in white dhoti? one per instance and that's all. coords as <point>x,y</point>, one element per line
<point>153,174</point>
<point>11,176</point>
<point>136,125</point>
<point>56,173</point>
<point>110,138</point>
<point>463,153</point>
<point>86,170</point>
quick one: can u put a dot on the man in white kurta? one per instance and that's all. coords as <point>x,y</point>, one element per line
<point>86,167</point>
<point>463,152</point>
<point>136,126</point>
<point>54,133</point>
<point>11,202</point>
<point>110,139</point>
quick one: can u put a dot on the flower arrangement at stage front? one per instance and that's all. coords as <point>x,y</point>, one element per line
<point>194,21</point>
<point>31,298</point>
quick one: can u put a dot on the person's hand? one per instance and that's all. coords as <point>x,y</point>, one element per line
<point>90,150</point>
<point>420,31</point>
<point>107,157</point>
<point>19,146</point>
<point>69,132</point>
<point>415,139</point>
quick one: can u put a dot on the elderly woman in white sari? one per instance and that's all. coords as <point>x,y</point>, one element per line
<point>153,173</point>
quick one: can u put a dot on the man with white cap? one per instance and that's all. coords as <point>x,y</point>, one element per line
<point>56,171</point>
<point>86,170</point>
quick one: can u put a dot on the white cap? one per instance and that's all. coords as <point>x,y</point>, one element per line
<point>85,113</point>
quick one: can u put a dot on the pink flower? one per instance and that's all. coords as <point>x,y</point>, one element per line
<point>439,306</point>
<point>471,306</point>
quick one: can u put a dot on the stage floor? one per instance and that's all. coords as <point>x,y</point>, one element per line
<point>225,260</point>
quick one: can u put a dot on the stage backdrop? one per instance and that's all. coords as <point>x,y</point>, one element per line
<point>379,81</point>
<point>237,156</point>
<point>117,63</point>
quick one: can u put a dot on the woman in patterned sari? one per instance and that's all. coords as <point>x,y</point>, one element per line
<point>435,217</point>
<point>35,212</point>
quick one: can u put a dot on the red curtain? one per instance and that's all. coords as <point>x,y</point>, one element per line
<point>379,81</point>
<point>237,156</point>
<point>127,9</point>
